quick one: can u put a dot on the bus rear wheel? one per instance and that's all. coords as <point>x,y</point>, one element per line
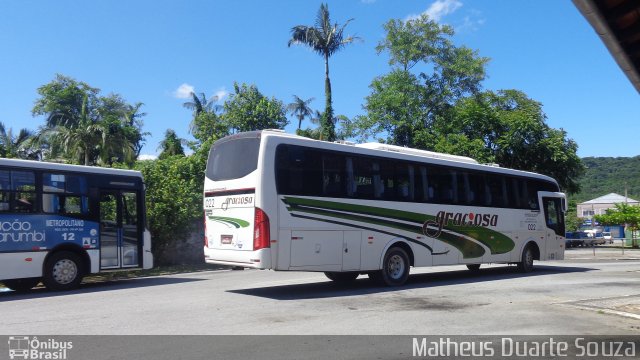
<point>526,263</point>
<point>473,267</point>
<point>341,277</point>
<point>395,268</point>
<point>63,271</point>
<point>21,285</point>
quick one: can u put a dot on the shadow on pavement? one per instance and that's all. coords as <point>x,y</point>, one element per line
<point>364,286</point>
<point>41,292</point>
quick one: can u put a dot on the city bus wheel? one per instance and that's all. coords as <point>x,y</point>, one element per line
<point>473,267</point>
<point>21,285</point>
<point>341,277</point>
<point>395,268</point>
<point>63,271</point>
<point>526,263</point>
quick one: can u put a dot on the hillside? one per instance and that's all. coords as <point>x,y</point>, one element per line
<point>605,175</point>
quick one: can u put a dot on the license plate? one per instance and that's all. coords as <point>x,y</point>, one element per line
<point>226,239</point>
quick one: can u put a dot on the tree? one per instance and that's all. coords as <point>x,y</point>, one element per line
<point>199,105</point>
<point>622,214</point>
<point>507,128</point>
<point>171,145</point>
<point>12,146</point>
<point>84,127</point>
<point>63,100</point>
<point>79,142</point>
<point>407,101</point>
<point>300,109</point>
<point>247,109</point>
<point>173,202</point>
<point>325,39</point>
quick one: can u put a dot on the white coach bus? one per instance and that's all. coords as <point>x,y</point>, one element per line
<point>284,202</point>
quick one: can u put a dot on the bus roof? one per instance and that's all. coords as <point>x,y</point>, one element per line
<point>31,164</point>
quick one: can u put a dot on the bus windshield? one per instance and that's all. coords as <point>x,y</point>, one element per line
<point>233,158</point>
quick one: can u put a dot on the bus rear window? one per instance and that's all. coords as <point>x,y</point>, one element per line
<point>233,159</point>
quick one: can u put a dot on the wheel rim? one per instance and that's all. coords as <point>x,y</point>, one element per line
<point>529,258</point>
<point>395,267</point>
<point>65,271</point>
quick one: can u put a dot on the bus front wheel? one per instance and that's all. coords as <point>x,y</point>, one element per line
<point>395,268</point>
<point>21,285</point>
<point>526,263</point>
<point>63,271</point>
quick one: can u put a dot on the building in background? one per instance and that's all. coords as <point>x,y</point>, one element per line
<point>598,206</point>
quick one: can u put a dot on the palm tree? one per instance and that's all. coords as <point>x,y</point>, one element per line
<point>300,109</point>
<point>14,146</point>
<point>171,144</point>
<point>201,105</point>
<point>81,142</point>
<point>325,39</point>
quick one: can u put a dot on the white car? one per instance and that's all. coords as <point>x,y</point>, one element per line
<point>607,237</point>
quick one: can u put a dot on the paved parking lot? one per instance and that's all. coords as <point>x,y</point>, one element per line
<point>584,294</point>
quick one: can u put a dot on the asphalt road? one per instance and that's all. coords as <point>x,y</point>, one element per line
<point>584,294</point>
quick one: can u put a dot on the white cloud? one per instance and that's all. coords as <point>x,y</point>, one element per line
<point>221,94</point>
<point>471,22</point>
<point>147,157</point>
<point>184,91</point>
<point>438,9</point>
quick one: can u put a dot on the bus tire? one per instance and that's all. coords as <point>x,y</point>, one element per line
<point>473,267</point>
<point>395,267</point>
<point>526,261</point>
<point>63,270</point>
<point>341,277</point>
<point>21,285</point>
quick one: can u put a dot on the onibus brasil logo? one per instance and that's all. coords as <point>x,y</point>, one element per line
<point>25,347</point>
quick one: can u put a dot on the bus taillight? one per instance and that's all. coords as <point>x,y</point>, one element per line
<point>261,232</point>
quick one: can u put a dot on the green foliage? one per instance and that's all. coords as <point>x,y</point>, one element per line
<point>325,39</point>
<point>413,41</point>
<point>83,127</point>
<point>396,106</point>
<point>622,214</point>
<point>300,109</point>
<point>606,175</point>
<point>247,109</point>
<point>17,146</point>
<point>209,125</point>
<point>62,100</point>
<point>508,128</point>
<point>171,145</point>
<point>403,104</point>
<point>174,200</point>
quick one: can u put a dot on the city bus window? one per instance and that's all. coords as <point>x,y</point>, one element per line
<point>64,194</point>
<point>22,195</point>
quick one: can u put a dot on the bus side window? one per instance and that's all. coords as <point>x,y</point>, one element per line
<point>65,194</point>
<point>23,186</point>
<point>333,175</point>
<point>5,187</point>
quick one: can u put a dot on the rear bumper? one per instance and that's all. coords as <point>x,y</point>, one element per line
<point>260,259</point>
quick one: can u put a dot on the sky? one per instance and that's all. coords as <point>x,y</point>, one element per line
<point>157,51</point>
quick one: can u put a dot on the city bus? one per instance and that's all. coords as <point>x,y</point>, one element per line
<point>283,202</point>
<point>59,222</point>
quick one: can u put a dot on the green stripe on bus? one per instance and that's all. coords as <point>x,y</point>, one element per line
<point>237,223</point>
<point>468,248</point>
<point>497,242</point>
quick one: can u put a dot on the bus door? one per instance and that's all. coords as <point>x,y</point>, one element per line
<point>120,229</point>
<point>553,207</point>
